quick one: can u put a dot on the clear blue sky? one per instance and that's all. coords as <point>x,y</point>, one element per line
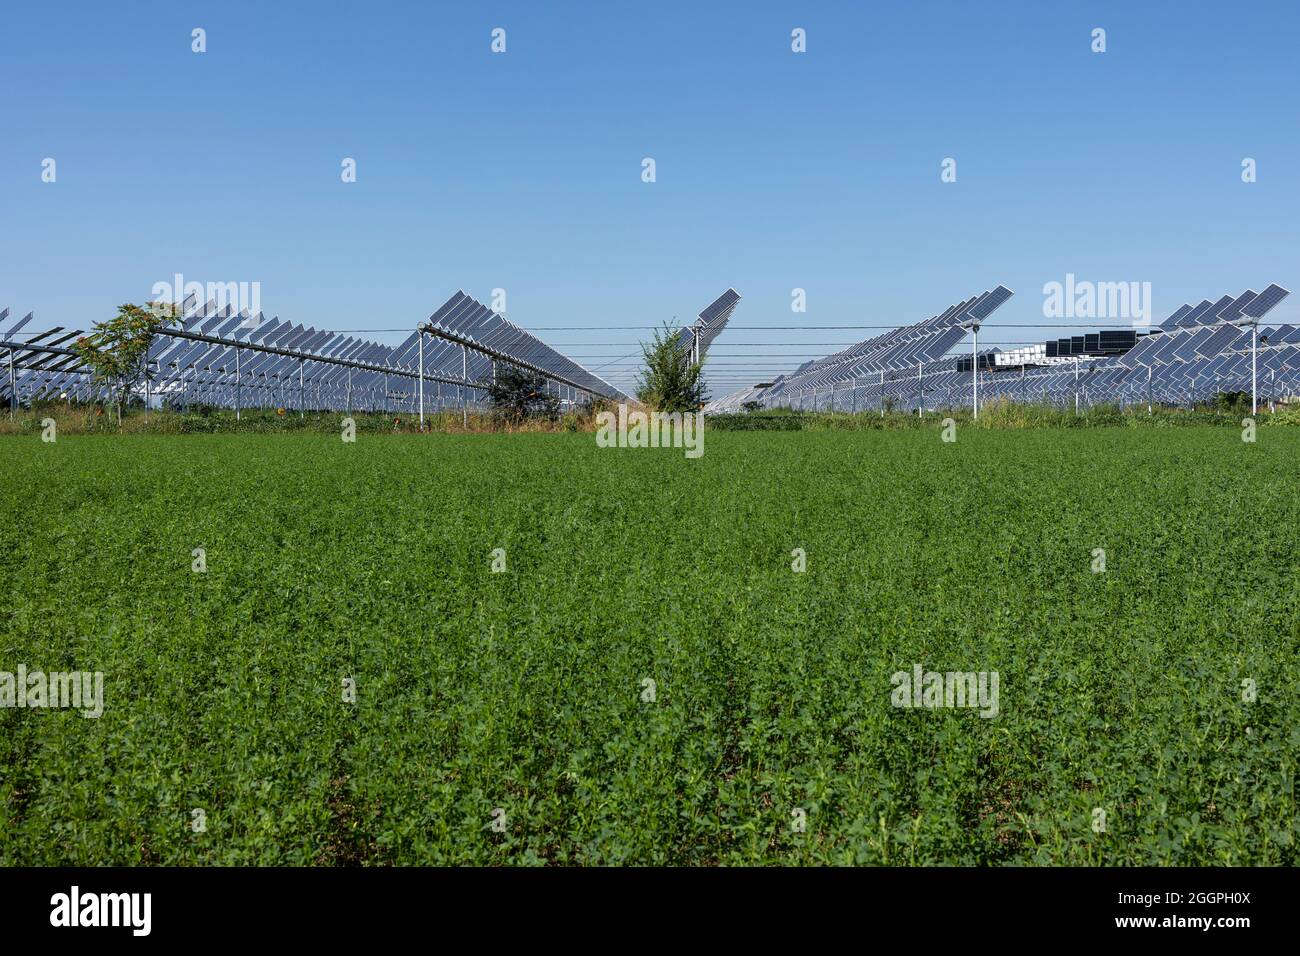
<point>523,170</point>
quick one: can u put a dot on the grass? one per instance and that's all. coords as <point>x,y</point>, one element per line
<point>523,690</point>
<point>1004,414</point>
<point>81,419</point>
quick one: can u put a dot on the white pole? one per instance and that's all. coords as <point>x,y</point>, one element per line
<point>1148,389</point>
<point>464,374</point>
<point>421,380</point>
<point>1254,347</point>
<point>975,372</point>
<point>302,397</point>
<point>1076,386</point>
<point>920,393</point>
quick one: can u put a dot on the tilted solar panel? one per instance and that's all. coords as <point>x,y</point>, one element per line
<point>1194,316</point>
<point>983,309</point>
<point>1232,310</point>
<point>1265,301</point>
<point>1173,320</point>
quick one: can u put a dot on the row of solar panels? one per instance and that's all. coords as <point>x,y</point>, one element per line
<point>1176,363</point>
<point>466,318</point>
<point>1100,382</point>
<point>245,366</point>
<point>1092,344</point>
<point>897,349</point>
<point>1248,305</point>
<point>219,357</point>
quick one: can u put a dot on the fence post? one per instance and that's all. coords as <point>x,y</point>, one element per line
<point>1254,347</point>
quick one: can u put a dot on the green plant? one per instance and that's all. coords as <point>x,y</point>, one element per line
<point>1233,402</point>
<point>117,349</point>
<point>670,380</point>
<point>516,394</point>
<point>523,690</point>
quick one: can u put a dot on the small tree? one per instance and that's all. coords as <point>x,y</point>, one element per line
<point>117,350</point>
<point>670,381</point>
<point>517,394</point>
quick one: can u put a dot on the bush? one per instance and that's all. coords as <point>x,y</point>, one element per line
<point>516,394</point>
<point>670,381</point>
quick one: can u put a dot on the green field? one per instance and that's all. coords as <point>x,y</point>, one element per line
<point>1120,691</point>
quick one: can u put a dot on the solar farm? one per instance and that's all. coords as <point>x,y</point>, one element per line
<point>431,647</point>
<point>1197,352</point>
<point>220,358</point>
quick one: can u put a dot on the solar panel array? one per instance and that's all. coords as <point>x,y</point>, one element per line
<point>464,319</point>
<point>1195,353</point>
<point>221,358</point>
<point>1248,305</point>
<point>712,320</point>
<point>889,354</point>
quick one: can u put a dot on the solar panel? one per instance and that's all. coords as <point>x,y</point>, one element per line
<point>1217,341</point>
<point>1194,316</point>
<point>1211,315</point>
<point>1266,300</point>
<point>18,327</point>
<point>1233,309</point>
<point>986,306</point>
<point>1173,320</point>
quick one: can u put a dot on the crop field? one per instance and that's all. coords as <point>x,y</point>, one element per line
<point>647,679</point>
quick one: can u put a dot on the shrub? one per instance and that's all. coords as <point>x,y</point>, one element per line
<point>670,381</point>
<point>516,394</point>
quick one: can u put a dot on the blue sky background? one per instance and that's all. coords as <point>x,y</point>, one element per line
<point>523,170</point>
